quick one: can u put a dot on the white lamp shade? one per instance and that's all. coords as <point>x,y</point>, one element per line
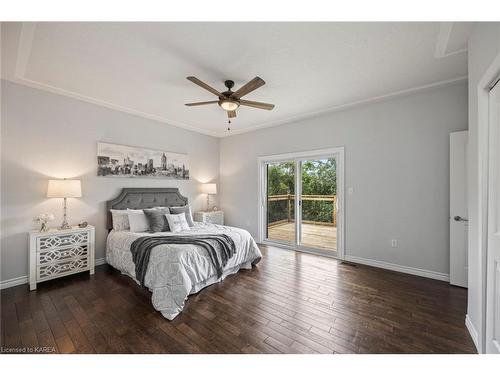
<point>209,188</point>
<point>64,189</point>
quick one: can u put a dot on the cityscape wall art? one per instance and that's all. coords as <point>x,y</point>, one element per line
<point>125,161</point>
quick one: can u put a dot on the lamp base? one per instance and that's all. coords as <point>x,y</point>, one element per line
<point>65,225</point>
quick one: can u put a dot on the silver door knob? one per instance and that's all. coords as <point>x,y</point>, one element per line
<point>459,218</point>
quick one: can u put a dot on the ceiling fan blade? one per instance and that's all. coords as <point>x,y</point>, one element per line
<point>254,84</point>
<point>196,81</point>
<point>231,114</point>
<point>201,103</point>
<point>259,105</point>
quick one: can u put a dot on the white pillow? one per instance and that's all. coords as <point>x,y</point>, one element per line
<point>177,223</point>
<point>137,220</point>
<point>186,210</point>
<point>120,220</point>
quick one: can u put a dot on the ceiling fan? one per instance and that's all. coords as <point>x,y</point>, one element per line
<point>229,100</point>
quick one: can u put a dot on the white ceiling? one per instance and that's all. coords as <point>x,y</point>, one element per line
<point>309,67</point>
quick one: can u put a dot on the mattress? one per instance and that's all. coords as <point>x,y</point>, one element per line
<point>177,270</point>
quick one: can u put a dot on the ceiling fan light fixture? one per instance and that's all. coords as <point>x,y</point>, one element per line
<point>228,104</point>
<point>229,100</point>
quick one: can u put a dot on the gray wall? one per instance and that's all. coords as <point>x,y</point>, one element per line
<point>396,160</point>
<point>484,46</point>
<point>47,136</point>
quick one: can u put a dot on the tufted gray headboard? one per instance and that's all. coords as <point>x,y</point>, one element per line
<point>138,198</point>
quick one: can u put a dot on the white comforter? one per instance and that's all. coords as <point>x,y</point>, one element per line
<point>176,271</point>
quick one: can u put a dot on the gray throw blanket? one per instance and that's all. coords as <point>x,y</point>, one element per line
<point>220,248</point>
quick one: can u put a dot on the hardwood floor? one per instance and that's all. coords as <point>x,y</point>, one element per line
<point>289,303</point>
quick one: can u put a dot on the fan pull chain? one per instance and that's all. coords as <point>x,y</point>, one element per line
<point>229,126</point>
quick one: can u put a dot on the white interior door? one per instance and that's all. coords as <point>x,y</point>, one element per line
<point>458,209</point>
<point>493,252</point>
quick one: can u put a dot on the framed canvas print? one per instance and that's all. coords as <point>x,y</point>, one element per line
<point>126,161</point>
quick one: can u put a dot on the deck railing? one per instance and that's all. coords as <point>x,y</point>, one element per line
<point>290,199</point>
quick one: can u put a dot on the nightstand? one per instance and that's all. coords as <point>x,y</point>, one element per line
<point>58,253</point>
<point>213,217</point>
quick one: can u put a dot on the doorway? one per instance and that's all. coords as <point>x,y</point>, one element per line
<point>301,201</point>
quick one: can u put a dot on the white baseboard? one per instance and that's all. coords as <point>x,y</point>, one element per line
<point>398,268</point>
<point>100,261</point>
<point>472,331</point>
<point>14,282</point>
<point>24,279</point>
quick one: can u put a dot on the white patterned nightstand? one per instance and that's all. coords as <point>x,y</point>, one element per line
<point>213,217</point>
<point>58,253</point>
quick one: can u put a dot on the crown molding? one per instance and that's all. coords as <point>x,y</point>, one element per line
<point>25,44</point>
<point>442,41</point>
<point>115,107</point>
<point>24,48</point>
<point>23,54</point>
<point>342,107</point>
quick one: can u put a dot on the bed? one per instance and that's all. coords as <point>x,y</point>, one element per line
<point>175,270</point>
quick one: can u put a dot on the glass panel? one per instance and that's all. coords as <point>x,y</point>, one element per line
<point>281,202</point>
<point>319,204</point>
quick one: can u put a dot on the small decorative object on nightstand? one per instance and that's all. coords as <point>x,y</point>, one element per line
<point>43,220</point>
<point>56,253</point>
<point>213,217</point>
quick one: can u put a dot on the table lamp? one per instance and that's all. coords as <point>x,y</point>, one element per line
<point>64,189</point>
<point>209,189</point>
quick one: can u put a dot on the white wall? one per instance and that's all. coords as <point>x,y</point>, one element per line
<point>484,46</point>
<point>50,136</point>
<point>396,160</point>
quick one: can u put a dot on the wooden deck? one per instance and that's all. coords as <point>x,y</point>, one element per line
<point>322,237</point>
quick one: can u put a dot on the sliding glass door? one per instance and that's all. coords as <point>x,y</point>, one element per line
<point>318,204</point>
<point>280,211</point>
<point>301,201</point>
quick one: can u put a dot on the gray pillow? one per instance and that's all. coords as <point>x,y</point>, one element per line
<point>157,220</point>
<point>186,210</point>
